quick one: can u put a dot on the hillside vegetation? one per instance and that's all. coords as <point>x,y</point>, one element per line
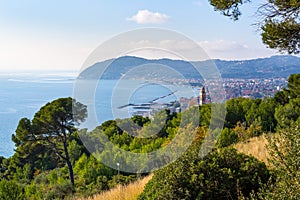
<point>256,146</point>
<point>51,162</point>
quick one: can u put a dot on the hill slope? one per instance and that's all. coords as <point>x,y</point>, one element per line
<point>255,146</point>
<point>273,67</point>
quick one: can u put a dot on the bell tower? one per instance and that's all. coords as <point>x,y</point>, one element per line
<point>202,96</point>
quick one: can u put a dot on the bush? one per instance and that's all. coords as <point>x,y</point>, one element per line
<point>60,191</point>
<point>10,190</point>
<point>226,138</point>
<point>219,175</point>
<point>32,192</point>
<point>285,161</point>
<point>121,179</point>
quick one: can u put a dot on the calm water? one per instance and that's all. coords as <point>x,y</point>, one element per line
<point>22,94</point>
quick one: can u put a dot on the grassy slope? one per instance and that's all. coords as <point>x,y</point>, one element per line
<point>128,192</point>
<point>256,147</point>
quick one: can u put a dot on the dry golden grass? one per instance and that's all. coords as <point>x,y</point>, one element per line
<point>128,192</point>
<point>256,147</point>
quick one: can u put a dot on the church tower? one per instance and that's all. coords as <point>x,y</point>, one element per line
<point>202,96</point>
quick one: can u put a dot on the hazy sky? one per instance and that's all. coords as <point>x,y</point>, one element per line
<point>59,35</point>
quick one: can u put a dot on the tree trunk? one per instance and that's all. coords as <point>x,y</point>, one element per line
<point>71,173</point>
<point>70,167</point>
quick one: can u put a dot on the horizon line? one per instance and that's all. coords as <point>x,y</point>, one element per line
<point>78,70</point>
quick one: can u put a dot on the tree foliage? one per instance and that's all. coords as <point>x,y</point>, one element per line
<point>294,86</point>
<point>279,21</point>
<point>52,127</point>
<point>226,138</point>
<point>229,8</point>
<point>284,36</point>
<point>290,111</point>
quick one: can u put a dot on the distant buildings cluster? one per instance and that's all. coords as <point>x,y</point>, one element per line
<point>253,88</point>
<point>247,88</point>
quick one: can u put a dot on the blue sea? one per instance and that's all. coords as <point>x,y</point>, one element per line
<point>22,94</point>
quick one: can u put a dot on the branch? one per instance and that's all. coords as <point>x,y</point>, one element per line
<point>55,148</point>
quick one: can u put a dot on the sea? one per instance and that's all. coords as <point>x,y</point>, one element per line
<point>22,94</point>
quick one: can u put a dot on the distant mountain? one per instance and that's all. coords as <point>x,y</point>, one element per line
<point>273,67</point>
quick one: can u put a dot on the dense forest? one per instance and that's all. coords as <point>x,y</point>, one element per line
<point>51,161</point>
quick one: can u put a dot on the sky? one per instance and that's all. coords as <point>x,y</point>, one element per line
<point>60,35</point>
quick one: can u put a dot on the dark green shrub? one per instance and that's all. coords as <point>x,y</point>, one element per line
<point>226,138</point>
<point>121,179</point>
<point>60,191</point>
<point>220,175</point>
